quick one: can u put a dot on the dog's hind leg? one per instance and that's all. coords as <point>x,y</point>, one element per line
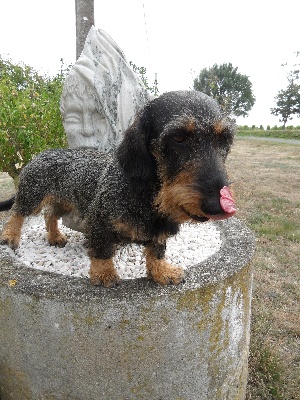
<point>159,269</point>
<point>12,231</point>
<point>23,207</point>
<point>53,211</point>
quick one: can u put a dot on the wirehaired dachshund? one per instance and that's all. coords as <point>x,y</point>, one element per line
<point>169,169</point>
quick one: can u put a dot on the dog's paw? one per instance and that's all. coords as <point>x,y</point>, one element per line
<point>107,280</point>
<point>10,241</point>
<point>103,272</point>
<point>58,240</point>
<point>165,274</point>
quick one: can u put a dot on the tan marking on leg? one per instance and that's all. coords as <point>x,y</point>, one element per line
<point>129,231</point>
<point>45,202</point>
<point>55,237</point>
<point>103,272</point>
<point>12,231</point>
<point>50,200</point>
<point>161,271</point>
<point>125,229</point>
<point>54,209</point>
<point>178,195</point>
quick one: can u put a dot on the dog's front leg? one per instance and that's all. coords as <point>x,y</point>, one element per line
<point>101,252</point>
<point>158,268</point>
<point>102,271</point>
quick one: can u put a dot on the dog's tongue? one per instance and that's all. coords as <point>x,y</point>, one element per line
<point>226,201</point>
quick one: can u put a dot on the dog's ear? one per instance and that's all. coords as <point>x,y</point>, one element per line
<point>134,153</point>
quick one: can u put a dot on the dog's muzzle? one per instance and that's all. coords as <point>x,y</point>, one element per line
<point>217,208</point>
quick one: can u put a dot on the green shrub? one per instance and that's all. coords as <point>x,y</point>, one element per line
<point>30,119</point>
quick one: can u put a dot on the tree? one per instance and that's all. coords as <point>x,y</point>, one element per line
<point>232,90</point>
<point>287,103</point>
<point>30,119</point>
<point>288,100</point>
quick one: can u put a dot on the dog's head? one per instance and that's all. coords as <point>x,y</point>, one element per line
<point>178,144</point>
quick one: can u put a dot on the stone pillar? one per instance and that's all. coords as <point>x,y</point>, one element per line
<point>84,21</point>
<point>62,338</point>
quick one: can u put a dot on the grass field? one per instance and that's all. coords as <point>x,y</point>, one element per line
<point>267,190</point>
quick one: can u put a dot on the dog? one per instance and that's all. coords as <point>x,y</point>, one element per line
<point>169,169</point>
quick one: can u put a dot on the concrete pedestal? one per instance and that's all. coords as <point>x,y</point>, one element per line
<point>61,338</point>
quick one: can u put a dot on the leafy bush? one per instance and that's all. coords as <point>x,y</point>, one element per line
<point>30,119</point>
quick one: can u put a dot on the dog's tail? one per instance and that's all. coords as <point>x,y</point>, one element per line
<point>7,204</point>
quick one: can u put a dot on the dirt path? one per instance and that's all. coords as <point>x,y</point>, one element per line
<point>269,139</point>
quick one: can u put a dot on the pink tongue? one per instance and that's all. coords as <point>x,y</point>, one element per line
<point>226,201</point>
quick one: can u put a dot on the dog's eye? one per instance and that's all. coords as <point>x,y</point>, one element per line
<point>179,137</point>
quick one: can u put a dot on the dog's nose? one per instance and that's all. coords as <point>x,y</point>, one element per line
<point>212,207</point>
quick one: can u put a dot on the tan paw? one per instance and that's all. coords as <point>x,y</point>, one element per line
<point>165,273</point>
<point>59,240</point>
<point>103,272</point>
<point>12,232</point>
<point>10,240</point>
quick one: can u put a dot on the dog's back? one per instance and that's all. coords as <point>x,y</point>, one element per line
<point>69,175</point>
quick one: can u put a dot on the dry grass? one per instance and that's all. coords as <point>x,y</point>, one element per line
<point>267,189</point>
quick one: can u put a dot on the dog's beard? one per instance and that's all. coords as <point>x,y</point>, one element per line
<point>180,202</point>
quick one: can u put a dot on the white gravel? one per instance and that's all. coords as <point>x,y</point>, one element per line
<point>193,244</point>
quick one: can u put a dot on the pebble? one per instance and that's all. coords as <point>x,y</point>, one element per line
<point>192,245</point>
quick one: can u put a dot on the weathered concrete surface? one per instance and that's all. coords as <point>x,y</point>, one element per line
<point>61,338</point>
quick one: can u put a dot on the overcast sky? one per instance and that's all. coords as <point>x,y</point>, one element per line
<point>175,39</point>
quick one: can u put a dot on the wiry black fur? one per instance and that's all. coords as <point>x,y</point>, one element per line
<point>122,187</point>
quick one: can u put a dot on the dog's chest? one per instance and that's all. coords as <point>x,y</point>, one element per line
<point>155,231</point>
<point>131,232</point>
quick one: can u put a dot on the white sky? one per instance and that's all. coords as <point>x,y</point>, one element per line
<point>182,38</point>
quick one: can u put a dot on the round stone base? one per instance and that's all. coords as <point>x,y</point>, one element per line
<point>61,338</point>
